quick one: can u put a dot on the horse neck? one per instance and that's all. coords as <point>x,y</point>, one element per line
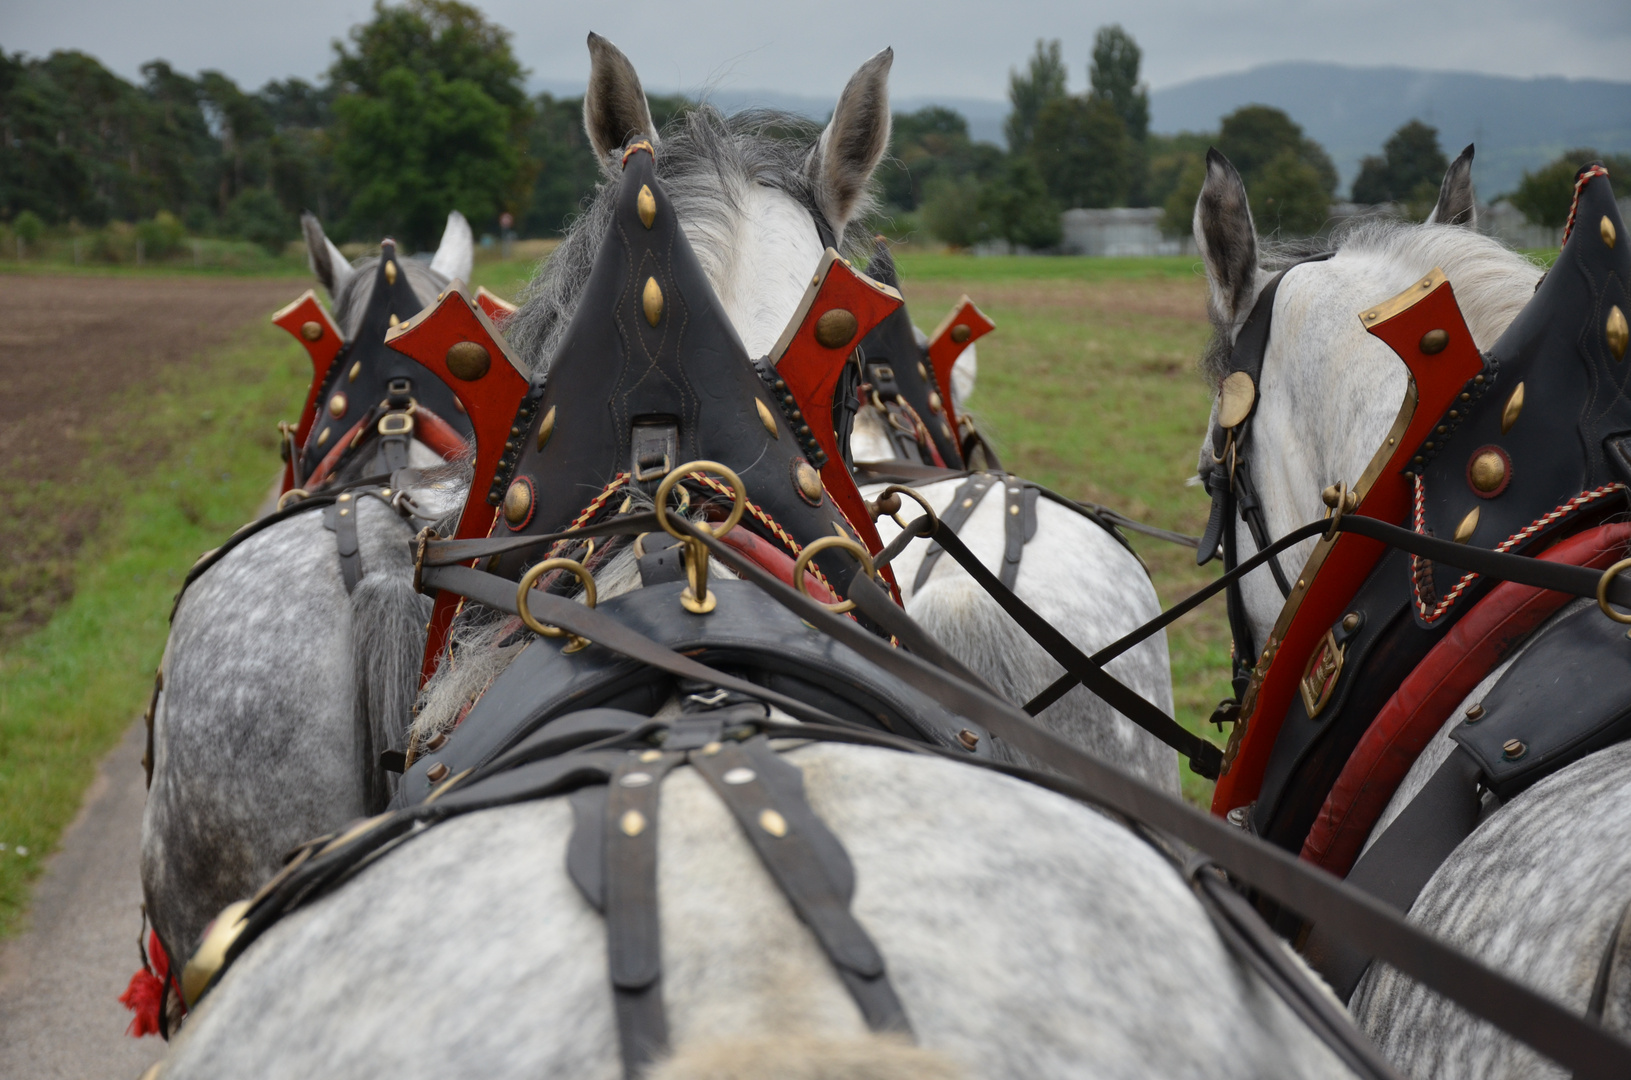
<point>1330,391</point>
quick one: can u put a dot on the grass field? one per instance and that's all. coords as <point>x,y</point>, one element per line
<point>1087,386</point>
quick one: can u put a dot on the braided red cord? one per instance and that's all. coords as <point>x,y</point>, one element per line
<point>1579,186</point>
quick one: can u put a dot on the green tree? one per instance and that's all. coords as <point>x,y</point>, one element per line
<point>1016,206</point>
<point>1546,194</point>
<point>1082,152</point>
<point>1254,135</point>
<point>1275,160</point>
<point>1289,196</point>
<point>1114,76</point>
<point>1042,81</point>
<point>951,211</point>
<point>1409,169</point>
<point>256,215</point>
<point>429,112</point>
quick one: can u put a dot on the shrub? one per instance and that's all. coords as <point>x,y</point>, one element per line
<point>256,215</point>
<point>28,227</point>
<point>162,236</point>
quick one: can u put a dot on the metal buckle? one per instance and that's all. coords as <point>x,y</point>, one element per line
<point>396,423</point>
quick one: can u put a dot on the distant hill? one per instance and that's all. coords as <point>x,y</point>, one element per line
<point>1517,124</point>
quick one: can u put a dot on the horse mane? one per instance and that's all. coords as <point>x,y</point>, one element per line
<point>707,161</point>
<point>1492,282</point>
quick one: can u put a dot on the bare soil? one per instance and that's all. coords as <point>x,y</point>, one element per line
<point>75,354</point>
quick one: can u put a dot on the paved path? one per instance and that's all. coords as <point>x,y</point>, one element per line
<point>60,980</point>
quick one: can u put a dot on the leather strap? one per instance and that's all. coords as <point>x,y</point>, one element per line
<point>1019,525</point>
<point>1400,862</point>
<point>633,930</point>
<point>766,795</point>
<point>963,503</point>
<point>1605,966</point>
<point>341,519</point>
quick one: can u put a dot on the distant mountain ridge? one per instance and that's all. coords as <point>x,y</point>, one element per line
<point>1517,124</point>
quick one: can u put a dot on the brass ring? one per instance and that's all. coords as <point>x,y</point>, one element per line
<point>917,496</point>
<point>293,494</point>
<point>739,497</point>
<point>1602,591</point>
<point>822,544</point>
<point>531,577</point>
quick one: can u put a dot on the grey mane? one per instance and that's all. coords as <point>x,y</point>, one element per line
<point>705,160</point>
<point>1492,282</point>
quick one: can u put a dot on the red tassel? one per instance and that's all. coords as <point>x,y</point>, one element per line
<point>145,994</point>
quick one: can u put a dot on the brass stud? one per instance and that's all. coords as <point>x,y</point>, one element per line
<point>961,333</point>
<point>1513,407</point>
<point>968,738</point>
<point>934,402</point>
<point>773,823</point>
<point>1013,510</point>
<point>468,360</point>
<point>1605,229</point>
<point>646,203</point>
<point>633,823</point>
<point>390,272</point>
<point>1302,583</point>
<point>437,772</point>
<point>1475,714</point>
<point>1487,471</point>
<point>1513,749</point>
<point>1435,341</point>
<point>322,436</point>
<point>710,749</point>
<point>651,755</point>
<point>336,405</point>
<point>1235,398</point>
<point>518,502</point>
<point>546,428</point>
<point>312,330</point>
<point>356,369</point>
<point>1617,332</point>
<point>1350,621</point>
<point>395,322</point>
<point>922,372</point>
<point>808,480</point>
<point>652,300</point>
<point>1464,531</point>
<point>768,420</point>
<point>836,328</point>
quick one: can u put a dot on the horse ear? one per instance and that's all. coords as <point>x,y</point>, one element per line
<point>457,252</point>
<point>327,264</point>
<point>853,143</point>
<point>1227,239</point>
<point>1457,205</point>
<point>615,112</point>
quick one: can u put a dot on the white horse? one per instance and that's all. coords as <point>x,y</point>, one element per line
<point>1537,890</point>
<point>1025,934</point>
<point>274,681</point>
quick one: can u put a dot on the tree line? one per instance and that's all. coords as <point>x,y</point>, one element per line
<point>424,109</point>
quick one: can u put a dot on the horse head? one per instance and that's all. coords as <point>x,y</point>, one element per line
<point>1329,391</point>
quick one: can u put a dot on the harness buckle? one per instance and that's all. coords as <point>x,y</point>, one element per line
<point>396,423</point>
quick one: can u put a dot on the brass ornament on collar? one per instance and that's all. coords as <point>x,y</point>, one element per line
<point>1605,229</point>
<point>468,360</point>
<point>1235,399</point>
<point>1469,525</point>
<point>390,271</point>
<point>651,300</point>
<point>768,420</point>
<point>1487,472</point>
<point>961,333</point>
<point>518,502</point>
<point>356,369</point>
<point>808,482</point>
<point>646,203</point>
<point>337,406</point>
<point>1435,341</point>
<point>1616,331</point>
<point>1512,410</point>
<point>836,328</point>
<point>546,428</point>
<point>311,330</point>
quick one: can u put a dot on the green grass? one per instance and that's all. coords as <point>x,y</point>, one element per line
<point>1087,386</point>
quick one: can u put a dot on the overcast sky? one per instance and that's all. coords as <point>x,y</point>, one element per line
<point>953,48</point>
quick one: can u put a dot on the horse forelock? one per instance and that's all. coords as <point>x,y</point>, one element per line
<point>710,165</point>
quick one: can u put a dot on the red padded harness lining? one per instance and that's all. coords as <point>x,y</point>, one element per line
<point>774,560</point>
<point>1474,647</point>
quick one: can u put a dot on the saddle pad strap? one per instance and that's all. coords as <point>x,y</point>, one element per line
<point>1019,525</point>
<point>767,797</point>
<point>342,519</point>
<point>633,939</point>
<point>963,501</point>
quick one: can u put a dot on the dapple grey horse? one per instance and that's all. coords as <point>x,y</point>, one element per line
<point>273,679</point>
<point>1539,887</point>
<point>1026,934</point>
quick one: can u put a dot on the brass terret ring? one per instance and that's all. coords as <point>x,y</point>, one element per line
<point>916,496</point>
<point>739,497</point>
<point>293,495</point>
<point>1602,591</point>
<point>531,577</point>
<point>822,544</point>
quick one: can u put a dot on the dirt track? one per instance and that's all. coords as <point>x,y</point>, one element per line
<point>75,351</point>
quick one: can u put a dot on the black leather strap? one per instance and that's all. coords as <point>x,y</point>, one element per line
<point>1400,861</point>
<point>341,519</point>
<point>633,930</point>
<point>1605,966</point>
<point>1019,525</point>
<point>766,794</point>
<point>963,503</point>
